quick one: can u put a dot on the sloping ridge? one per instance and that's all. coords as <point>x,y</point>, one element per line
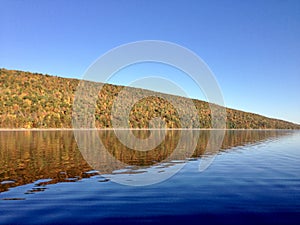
<point>32,100</point>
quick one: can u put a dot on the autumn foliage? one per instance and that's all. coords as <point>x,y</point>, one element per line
<point>31,100</point>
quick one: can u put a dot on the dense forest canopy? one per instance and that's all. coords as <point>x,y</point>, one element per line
<point>31,100</point>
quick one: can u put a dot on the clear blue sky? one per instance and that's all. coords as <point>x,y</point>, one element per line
<point>253,47</point>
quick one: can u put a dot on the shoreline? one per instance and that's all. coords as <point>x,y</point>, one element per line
<point>108,129</point>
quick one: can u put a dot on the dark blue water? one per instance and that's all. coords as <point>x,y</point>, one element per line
<point>254,183</point>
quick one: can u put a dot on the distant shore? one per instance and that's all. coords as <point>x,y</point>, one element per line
<point>87,129</point>
<point>37,102</point>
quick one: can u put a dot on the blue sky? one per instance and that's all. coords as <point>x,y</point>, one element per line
<point>252,47</point>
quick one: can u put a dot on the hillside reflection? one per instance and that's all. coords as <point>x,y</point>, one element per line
<point>28,156</point>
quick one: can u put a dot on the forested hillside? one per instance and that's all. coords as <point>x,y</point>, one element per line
<point>31,100</point>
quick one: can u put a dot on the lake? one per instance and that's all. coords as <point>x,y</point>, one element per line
<point>66,177</point>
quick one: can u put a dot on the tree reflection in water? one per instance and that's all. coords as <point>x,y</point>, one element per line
<point>30,156</point>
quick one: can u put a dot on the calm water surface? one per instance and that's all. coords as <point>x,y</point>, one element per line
<point>253,179</point>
